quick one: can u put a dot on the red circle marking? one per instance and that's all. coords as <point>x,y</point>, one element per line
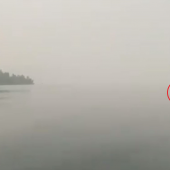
<point>168,92</point>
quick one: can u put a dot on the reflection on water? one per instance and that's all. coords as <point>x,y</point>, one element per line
<point>83,129</point>
<point>13,91</point>
<point>3,98</point>
<point>4,91</point>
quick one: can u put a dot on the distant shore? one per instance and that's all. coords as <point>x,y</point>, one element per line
<point>7,79</point>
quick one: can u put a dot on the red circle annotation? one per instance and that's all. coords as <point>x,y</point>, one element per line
<point>168,92</point>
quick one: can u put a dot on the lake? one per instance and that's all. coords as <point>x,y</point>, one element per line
<point>84,128</point>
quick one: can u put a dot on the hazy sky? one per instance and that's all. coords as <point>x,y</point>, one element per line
<point>86,41</point>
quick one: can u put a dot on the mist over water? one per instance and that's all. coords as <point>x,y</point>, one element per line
<point>84,128</point>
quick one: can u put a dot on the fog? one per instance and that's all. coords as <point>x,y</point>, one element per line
<point>86,41</point>
<point>114,57</point>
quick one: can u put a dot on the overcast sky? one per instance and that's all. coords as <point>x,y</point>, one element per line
<point>86,41</point>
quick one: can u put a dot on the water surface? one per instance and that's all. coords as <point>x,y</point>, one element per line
<point>83,128</point>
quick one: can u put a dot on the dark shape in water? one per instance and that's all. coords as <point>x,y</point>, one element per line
<point>4,91</point>
<point>7,79</point>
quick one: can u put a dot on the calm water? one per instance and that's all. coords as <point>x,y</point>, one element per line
<point>76,128</point>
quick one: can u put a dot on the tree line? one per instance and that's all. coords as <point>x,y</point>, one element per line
<point>7,79</point>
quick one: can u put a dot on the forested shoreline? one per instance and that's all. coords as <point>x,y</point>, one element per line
<point>7,79</point>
